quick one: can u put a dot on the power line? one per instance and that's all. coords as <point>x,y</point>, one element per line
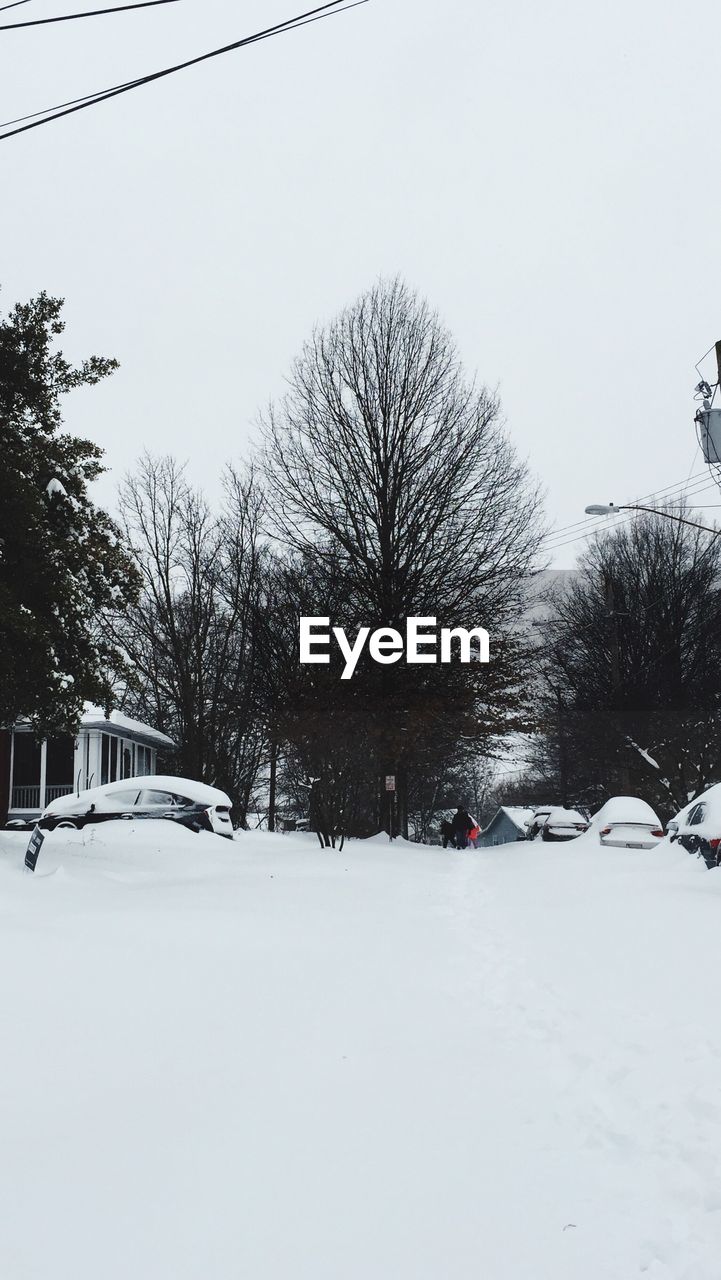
<point>15,5</point>
<point>91,13</point>
<point>290,24</point>
<point>619,524</point>
<point>599,526</point>
<point>700,484</point>
<point>668,491</point>
<point>596,529</point>
<point>33,115</point>
<point>678,487</point>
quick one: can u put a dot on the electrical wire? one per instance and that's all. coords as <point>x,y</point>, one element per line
<point>91,13</point>
<point>15,5</point>
<point>670,498</point>
<point>557,538</point>
<point>629,512</point>
<point>619,524</point>
<point>581,537</point>
<point>669,491</point>
<point>702,358</point>
<point>290,24</point>
<point>656,494</point>
<point>33,115</point>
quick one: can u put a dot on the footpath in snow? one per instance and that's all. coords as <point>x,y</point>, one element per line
<point>268,1061</point>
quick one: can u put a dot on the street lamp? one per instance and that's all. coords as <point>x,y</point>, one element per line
<point>609,509</point>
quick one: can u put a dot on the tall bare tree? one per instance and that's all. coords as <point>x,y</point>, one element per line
<point>392,473</point>
<point>382,455</point>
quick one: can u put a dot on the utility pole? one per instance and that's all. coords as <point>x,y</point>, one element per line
<point>718,363</point>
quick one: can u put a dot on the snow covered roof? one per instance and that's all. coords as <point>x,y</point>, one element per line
<point>95,718</point>
<point>519,815</point>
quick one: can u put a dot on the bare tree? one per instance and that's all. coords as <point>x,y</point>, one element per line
<point>635,659</point>
<point>393,474</point>
<point>191,640</point>
<point>382,455</point>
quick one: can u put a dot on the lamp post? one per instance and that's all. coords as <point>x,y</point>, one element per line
<point>609,509</point>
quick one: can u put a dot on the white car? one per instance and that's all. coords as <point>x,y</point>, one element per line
<point>564,824</point>
<point>192,804</point>
<point>625,822</point>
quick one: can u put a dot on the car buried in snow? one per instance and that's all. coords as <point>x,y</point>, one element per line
<point>626,822</point>
<point>697,828</point>
<point>535,826</point>
<point>190,804</point>
<point>564,824</point>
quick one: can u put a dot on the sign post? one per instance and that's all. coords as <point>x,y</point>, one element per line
<point>33,849</point>
<point>390,788</point>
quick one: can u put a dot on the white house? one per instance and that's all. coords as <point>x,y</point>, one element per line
<point>32,772</point>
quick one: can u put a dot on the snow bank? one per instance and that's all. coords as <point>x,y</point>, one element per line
<point>269,1060</point>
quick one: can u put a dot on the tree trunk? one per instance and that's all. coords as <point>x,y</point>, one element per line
<point>272,784</point>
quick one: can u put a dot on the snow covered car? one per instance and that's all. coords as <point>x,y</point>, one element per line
<point>698,826</point>
<point>192,804</point>
<point>563,824</point>
<point>537,822</point>
<point>625,822</point>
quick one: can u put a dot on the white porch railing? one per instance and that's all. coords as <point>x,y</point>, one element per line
<point>26,798</point>
<point>29,797</point>
<point>52,793</point>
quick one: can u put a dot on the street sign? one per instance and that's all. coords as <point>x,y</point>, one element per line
<point>390,782</point>
<point>33,848</point>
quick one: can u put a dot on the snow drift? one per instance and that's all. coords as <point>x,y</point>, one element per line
<point>265,1059</point>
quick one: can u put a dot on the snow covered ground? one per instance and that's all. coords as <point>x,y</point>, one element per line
<point>268,1061</point>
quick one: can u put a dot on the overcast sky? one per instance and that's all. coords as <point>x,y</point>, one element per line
<point>547,175</point>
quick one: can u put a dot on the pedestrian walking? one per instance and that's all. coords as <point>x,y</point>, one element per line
<point>447,834</point>
<point>462,823</point>
<point>473,834</point>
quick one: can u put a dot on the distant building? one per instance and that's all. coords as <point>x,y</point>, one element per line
<point>509,823</point>
<point>33,772</point>
<point>543,592</point>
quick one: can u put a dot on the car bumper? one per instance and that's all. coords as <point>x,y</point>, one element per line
<point>619,843</point>
<point>629,835</point>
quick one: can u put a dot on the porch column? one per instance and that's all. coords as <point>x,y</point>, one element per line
<point>43,771</point>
